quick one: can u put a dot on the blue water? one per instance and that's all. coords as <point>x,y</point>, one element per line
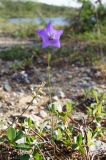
<point>55,20</point>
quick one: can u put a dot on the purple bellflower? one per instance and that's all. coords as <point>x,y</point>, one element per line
<point>50,36</point>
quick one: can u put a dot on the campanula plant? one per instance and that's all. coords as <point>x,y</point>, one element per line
<point>50,36</point>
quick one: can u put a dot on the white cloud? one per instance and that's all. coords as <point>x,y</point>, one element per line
<point>71,3</point>
<point>68,3</point>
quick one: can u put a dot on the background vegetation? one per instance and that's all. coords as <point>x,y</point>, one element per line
<point>10,9</point>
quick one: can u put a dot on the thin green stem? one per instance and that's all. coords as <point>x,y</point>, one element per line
<point>49,78</point>
<point>50,91</point>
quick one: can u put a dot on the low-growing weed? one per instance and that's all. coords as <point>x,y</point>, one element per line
<point>70,137</point>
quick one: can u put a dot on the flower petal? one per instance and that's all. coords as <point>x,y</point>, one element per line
<point>44,43</point>
<point>58,33</point>
<point>54,43</point>
<point>49,27</point>
<point>46,35</point>
<point>39,31</point>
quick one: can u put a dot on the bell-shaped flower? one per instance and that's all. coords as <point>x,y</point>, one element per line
<point>50,36</point>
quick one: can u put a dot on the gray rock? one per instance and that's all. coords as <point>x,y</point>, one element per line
<point>60,94</point>
<point>24,100</point>
<point>42,114</point>
<point>97,147</point>
<point>55,98</point>
<point>86,78</point>
<point>98,74</point>
<point>1,104</point>
<point>5,71</point>
<point>92,83</point>
<point>89,72</point>
<point>53,80</point>
<point>21,141</point>
<point>84,84</point>
<point>35,118</point>
<point>6,86</point>
<point>21,77</point>
<point>3,122</point>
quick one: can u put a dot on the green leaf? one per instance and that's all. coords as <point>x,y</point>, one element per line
<point>29,139</point>
<point>59,135</point>
<point>23,146</point>
<point>98,119</point>
<point>25,157</point>
<point>37,156</point>
<point>89,137</point>
<point>71,128</point>
<point>69,107</point>
<point>95,94</point>
<point>19,135</point>
<point>99,108</point>
<point>11,134</point>
<point>82,150</point>
<point>79,139</point>
<point>74,146</point>
<point>30,122</point>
